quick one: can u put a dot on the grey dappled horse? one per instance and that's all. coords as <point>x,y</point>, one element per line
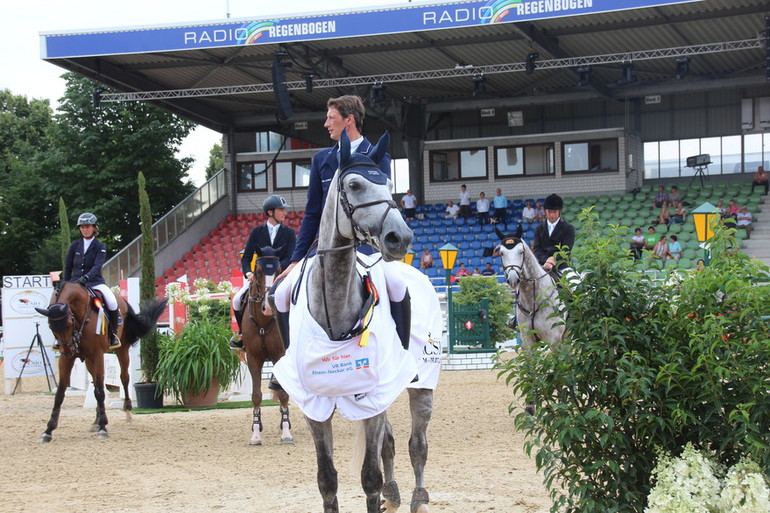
<point>357,210</point>
<point>538,299</point>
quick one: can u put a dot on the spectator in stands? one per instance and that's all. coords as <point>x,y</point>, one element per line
<point>721,209</point>
<point>409,204</point>
<point>664,215</point>
<point>539,212</point>
<point>528,214</point>
<point>426,260</point>
<point>650,239</point>
<point>675,248</point>
<point>462,271</point>
<point>659,198</point>
<point>761,179</point>
<point>272,234</point>
<point>501,206</point>
<point>465,202</point>
<point>488,271</point>
<point>343,113</point>
<point>732,209</point>
<point>674,196</point>
<point>452,210</point>
<point>552,236</point>
<point>679,214</point>
<point>637,243</point>
<point>476,272</point>
<point>700,265</point>
<point>744,221</point>
<point>482,208</point>
<point>660,250</point>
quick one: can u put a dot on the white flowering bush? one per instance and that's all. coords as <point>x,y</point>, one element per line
<point>695,483</point>
<point>204,305</point>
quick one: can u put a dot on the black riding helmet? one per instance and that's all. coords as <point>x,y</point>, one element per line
<point>87,218</point>
<point>273,202</point>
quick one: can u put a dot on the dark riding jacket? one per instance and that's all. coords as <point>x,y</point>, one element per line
<point>322,171</point>
<point>284,243</point>
<point>545,245</point>
<point>89,263</point>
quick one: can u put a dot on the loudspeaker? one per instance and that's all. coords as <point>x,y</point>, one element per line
<point>282,99</point>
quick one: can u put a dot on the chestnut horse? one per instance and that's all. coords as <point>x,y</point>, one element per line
<point>262,342</point>
<point>78,322</point>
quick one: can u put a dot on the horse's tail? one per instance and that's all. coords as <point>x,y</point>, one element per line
<point>359,449</point>
<point>139,325</point>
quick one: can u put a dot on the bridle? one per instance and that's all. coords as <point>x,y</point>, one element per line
<point>59,324</point>
<point>531,308</point>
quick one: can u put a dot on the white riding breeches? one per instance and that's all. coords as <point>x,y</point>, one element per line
<point>109,297</point>
<point>238,295</point>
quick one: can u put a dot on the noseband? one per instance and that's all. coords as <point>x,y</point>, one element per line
<point>58,324</point>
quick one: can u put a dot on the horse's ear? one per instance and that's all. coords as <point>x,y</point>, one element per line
<point>344,147</point>
<point>378,151</point>
<point>519,230</point>
<point>499,233</point>
<point>43,311</point>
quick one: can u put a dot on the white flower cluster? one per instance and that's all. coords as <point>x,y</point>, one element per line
<point>696,483</point>
<point>176,293</point>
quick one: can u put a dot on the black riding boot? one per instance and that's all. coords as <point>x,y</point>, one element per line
<point>114,319</point>
<point>282,321</point>
<point>236,341</point>
<point>401,312</point>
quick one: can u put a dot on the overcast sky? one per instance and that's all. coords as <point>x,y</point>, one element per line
<point>21,21</point>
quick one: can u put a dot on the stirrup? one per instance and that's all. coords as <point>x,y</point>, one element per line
<point>274,385</point>
<point>236,341</point>
<point>114,342</point>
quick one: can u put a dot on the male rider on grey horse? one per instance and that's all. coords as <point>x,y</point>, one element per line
<point>553,234</point>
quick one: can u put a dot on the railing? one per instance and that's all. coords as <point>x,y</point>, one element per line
<point>167,228</point>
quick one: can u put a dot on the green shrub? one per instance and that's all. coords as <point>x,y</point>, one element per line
<point>474,288</point>
<point>647,363</point>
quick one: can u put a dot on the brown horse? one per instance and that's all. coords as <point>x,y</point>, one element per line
<point>262,342</point>
<point>80,327</point>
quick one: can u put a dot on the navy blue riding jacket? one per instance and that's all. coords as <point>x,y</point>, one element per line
<point>322,171</point>
<point>88,263</point>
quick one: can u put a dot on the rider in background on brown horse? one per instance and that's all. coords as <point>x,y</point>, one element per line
<point>83,265</point>
<point>273,234</point>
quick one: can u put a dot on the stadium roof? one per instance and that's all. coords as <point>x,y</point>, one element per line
<point>218,73</point>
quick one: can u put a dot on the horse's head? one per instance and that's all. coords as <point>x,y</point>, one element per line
<point>512,251</point>
<point>369,214</point>
<point>62,324</point>
<point>267,268</point>
<point>69,300</point>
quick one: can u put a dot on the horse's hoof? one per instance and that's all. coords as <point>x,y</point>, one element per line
<point>392,497</point>
<point>101,435</point>
<point>420,500</point>
<point>45,438</point>
<point>289,441</point>
<point>255,442</point>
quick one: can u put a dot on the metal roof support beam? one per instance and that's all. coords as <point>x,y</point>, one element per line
<point>569,62</point>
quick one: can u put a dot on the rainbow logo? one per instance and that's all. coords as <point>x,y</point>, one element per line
<point>499,9</point>
<point>248,34</point>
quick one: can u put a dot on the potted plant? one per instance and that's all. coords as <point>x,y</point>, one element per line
<point>198,361</point>
<point>148,393</point>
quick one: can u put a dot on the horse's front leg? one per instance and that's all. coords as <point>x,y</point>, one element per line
<point>371,475</point>
<point>286,436</point>
<point>65,370</point>
<point>421,408</point>
<point>324,451</point>
<point>255,369</point>
<point>95,366</point>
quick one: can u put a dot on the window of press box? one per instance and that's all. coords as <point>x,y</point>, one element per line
<point>252,176</point>
<point>292,174</point>
<point>448,165</point>
<point>590,156</point>
<point>530,160</point>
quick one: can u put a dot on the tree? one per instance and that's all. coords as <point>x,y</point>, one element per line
<point>26,215</point>
<point>149,345</point>
<point>216,161</point>
<point>96,151</point>
<point>65,231</point>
